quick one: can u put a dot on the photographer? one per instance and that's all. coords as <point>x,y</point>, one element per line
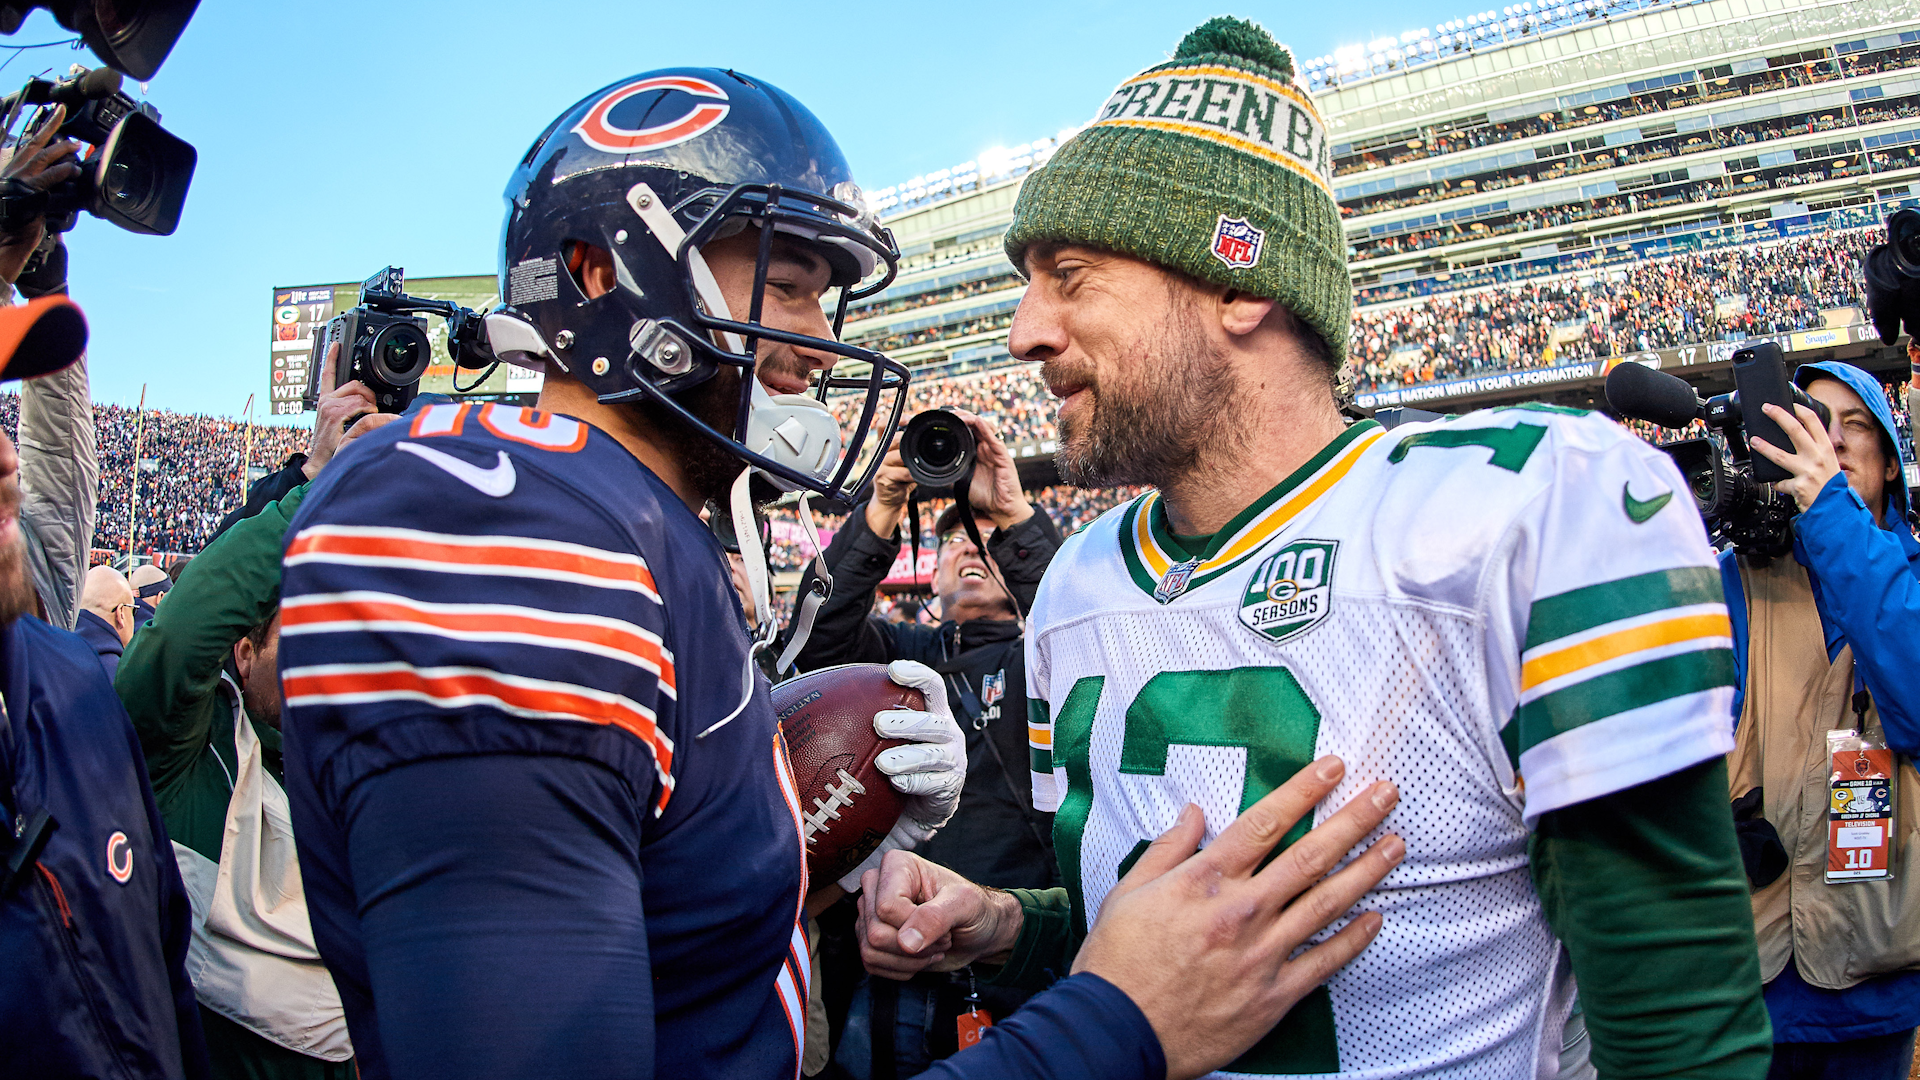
<point>1830,639</point>
<point>59,462</point>
<point>995,837</point>
<point>201,684</point>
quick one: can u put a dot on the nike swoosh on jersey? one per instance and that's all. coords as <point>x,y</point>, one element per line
<point>497,482</point>
<point>1639,510</point>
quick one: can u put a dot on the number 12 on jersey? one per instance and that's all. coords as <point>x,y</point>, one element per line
<point>1262,710</point>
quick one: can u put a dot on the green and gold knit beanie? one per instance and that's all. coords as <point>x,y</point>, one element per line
<point>1214,164</point>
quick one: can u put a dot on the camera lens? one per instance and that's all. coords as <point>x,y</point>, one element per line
<point>129,180</point>
<point>1903,236</point>
<point>1701,484</point>
<point>400,353</point>
<point>937,448</point>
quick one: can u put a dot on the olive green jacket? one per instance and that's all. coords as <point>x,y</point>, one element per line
<point>170,680</point>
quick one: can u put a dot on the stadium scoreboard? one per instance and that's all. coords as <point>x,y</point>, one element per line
<point>300,310</point>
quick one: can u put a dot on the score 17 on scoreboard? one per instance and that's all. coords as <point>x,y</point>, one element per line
<point>296,314</point>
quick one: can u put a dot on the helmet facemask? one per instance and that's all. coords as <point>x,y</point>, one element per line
<point>793,441</point>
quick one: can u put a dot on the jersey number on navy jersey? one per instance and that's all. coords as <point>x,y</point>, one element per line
<point>1260,709</point>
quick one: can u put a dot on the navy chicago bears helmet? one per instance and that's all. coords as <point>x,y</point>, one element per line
<point>650,169</point>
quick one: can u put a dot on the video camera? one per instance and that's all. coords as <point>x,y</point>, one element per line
<point>130,36</point>
<point>136,176</point>
<point>1732,488</point>
<point>384,342</point>
<point>1892,271</point>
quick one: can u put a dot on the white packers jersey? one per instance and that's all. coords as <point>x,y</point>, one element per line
<point>1503,613</point>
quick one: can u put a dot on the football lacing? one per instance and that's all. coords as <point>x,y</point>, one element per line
<point>837,796</point>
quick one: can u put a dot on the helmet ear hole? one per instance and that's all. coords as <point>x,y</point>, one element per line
<point>591,267</point>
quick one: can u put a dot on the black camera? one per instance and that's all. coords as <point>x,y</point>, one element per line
<point>1731,486</point>
<point>130,36</point>
<point>1892,271</point>
<point>136,176</point>
<point>938,449</point>
<point>382,344</point>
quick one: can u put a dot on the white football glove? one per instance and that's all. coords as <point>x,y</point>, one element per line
<point>930,771</point>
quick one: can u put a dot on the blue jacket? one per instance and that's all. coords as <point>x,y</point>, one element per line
<point>95,938</point>
<point>1866,585</point>
<point>100,634</point>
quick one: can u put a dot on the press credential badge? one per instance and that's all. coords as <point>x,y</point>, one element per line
<point>1860,808</point>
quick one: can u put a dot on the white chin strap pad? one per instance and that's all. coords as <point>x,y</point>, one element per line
<point>794,430</point>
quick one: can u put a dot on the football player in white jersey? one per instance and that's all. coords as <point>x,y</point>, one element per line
<point>1514,615</point>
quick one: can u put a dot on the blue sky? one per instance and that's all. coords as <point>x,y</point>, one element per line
<point>338,137</point>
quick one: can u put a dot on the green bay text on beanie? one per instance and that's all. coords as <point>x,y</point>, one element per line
<point>1213,164</point>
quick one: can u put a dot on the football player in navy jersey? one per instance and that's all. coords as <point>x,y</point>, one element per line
<point>546,823</point>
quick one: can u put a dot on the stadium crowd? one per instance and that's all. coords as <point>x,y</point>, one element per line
<point>1686,299</point>
<point>189,469</point>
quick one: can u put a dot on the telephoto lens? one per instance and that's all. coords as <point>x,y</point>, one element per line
<point>937,447</point>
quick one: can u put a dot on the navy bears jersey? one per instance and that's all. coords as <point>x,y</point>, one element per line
<point>501,639</point>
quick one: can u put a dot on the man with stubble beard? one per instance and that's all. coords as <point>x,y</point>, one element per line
<point>93,917</point>
<point>1509,615</point>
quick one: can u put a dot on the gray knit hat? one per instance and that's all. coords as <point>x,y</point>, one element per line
<point>1213,164</point>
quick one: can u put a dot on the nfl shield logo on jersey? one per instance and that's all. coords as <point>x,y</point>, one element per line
<point>1175,581</point>
<point>1237,243</point>
<point>993,687</point>
<point>1291,591</point>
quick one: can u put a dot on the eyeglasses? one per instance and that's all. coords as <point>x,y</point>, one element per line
<point>954,539</point>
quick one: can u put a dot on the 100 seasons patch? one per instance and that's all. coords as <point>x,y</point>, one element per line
<point>1291,590</point>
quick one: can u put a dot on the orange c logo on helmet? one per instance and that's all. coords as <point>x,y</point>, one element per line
<point>601,134</point>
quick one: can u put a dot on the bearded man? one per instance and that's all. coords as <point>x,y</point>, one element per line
<point>1508,614</point>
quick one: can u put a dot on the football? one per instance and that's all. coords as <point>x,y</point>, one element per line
<point>846,804</point>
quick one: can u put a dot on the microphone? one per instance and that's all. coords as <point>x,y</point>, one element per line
<point>73,92</point>
<point>1640,392</point>
<point>80,89</point>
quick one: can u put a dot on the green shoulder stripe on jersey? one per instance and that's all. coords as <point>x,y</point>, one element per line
<point>1578,610</point>
<point>1621,691</point>
<point>1543,407</point>
<point>1511,446</point>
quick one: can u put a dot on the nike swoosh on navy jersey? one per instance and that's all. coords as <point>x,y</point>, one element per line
<point>497,481</point>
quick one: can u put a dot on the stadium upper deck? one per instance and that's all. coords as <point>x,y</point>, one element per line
<point>1662,121</point>
<point>1539,141</point>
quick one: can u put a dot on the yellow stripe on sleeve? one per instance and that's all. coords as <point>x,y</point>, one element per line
<point>1620,643</point>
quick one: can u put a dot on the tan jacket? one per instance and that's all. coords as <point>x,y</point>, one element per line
<point>1837,935</point>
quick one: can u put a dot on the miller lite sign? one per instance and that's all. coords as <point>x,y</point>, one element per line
<point>1237,243</point>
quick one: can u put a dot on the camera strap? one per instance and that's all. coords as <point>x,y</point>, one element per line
<point>968,522</point>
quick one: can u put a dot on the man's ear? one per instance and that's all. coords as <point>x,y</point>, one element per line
<point>592,269</point>
<point>243,657</point>
<point>1241,314</point>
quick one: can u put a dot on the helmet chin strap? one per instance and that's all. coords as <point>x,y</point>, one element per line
<point>753,556</point>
